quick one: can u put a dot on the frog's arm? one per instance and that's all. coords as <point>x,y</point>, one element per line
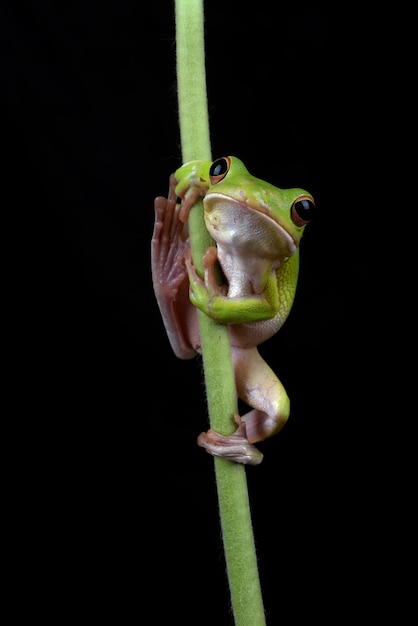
<point>192,182</point>
<point>276,297</point>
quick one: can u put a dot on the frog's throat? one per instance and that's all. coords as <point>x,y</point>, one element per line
<point>237,225</point>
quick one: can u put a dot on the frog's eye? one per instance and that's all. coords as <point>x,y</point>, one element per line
<point>219,169</point>
<point>302,211</point>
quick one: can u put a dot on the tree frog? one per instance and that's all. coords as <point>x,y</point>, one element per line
<point>256,228</point>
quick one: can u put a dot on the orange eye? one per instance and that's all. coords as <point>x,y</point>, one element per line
<point>302,211</point>
<point>219,169</point>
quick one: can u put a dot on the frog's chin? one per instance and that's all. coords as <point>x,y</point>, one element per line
<point>238,226</point>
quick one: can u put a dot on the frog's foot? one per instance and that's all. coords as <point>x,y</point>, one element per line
<point>235,447</point>
<point>169,245</point>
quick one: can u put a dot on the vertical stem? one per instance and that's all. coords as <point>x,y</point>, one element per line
<point>234,509</point>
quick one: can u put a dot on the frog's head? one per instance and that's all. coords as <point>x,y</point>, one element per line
<point>231,183</point>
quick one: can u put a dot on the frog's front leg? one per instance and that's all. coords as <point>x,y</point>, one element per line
<point>258,386</point>
<point>203,293</point>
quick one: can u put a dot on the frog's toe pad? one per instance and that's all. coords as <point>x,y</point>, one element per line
<point>233,448</point>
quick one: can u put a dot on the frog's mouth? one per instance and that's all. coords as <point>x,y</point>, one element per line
<point>244,229</point>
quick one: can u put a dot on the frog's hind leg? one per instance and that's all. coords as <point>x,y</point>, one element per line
<point>169,247</point>
<point>258,386</point>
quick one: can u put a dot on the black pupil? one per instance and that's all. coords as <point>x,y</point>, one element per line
<point>305,209</point>
<point>218,167</point>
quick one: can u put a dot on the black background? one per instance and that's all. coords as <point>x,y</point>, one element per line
<point>119,504</point>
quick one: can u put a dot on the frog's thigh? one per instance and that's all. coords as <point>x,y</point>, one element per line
<point>258,386</point>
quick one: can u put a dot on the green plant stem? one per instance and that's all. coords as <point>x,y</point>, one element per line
<point>234,509</point>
